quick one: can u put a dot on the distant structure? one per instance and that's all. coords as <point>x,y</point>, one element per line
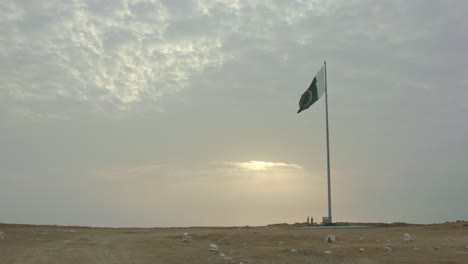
<point>325,220</point>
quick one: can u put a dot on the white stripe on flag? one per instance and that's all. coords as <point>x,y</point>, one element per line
<point>320,81</point>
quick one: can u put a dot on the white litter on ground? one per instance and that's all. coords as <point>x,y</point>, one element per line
<point>186,238</point>
<point>406,237</point>
<point>327,252</point>
<point>214,247</point>
<point>2,236</point>
<point>330,238</point>
<point>388,247</point>
<point>361,250</point>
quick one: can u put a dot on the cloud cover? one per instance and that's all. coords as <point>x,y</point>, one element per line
<point>97,52</point>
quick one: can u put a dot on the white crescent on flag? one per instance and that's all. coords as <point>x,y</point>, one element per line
<point>314,92</point>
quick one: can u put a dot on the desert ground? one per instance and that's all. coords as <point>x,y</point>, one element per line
<point>438,243</point>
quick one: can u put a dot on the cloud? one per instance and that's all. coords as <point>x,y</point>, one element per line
<point>96,52</point>
<point>131,172</point>
<point>224,171</point>
<point>264,165</point>
<point>106,56</point>
<point>36,116</point>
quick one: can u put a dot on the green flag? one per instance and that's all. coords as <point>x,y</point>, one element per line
<point>315,91</point>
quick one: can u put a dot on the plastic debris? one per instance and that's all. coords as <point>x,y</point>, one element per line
<point>327,252</point>
<point>388,247</point>
<point>406,237</point>
<point>186,238</point>
<point>330,238</point>
<point>361,250</point>
<point>214,247</point>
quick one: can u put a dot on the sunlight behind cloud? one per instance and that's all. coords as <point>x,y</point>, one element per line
<point>264,165</point>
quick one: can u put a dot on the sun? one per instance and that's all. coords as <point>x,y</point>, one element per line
<point>257,165</point>
<point>264,165</point>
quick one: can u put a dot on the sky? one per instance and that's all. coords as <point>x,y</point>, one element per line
<point>184,113</point>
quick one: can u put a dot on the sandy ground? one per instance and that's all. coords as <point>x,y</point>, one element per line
<point>443,243</point>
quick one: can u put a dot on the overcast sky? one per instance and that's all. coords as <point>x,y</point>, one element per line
<point>183,113</point>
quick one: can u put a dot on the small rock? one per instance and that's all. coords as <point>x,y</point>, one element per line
<point>227,258</point>
<point>330,238</point>
<point>415,248</point>
<point>406,237</point>
<point>221,255</point>
<point>186,238</point>
<point>293,250</point>
<point>436,248</point>
<point>361,250</point>
<point>214,247</point>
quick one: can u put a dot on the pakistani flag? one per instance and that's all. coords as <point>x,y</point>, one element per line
<point>315,91</point>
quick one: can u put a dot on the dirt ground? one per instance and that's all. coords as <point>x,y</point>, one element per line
<point>23,244</point>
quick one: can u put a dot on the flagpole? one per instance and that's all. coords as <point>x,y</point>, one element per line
<point>328,148</point>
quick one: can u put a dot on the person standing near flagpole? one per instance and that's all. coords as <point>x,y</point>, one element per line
<point>317,88</point>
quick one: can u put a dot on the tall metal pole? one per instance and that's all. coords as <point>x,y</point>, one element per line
<point>328,148</point>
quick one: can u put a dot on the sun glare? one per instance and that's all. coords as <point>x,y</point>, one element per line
<point>264,165</point>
